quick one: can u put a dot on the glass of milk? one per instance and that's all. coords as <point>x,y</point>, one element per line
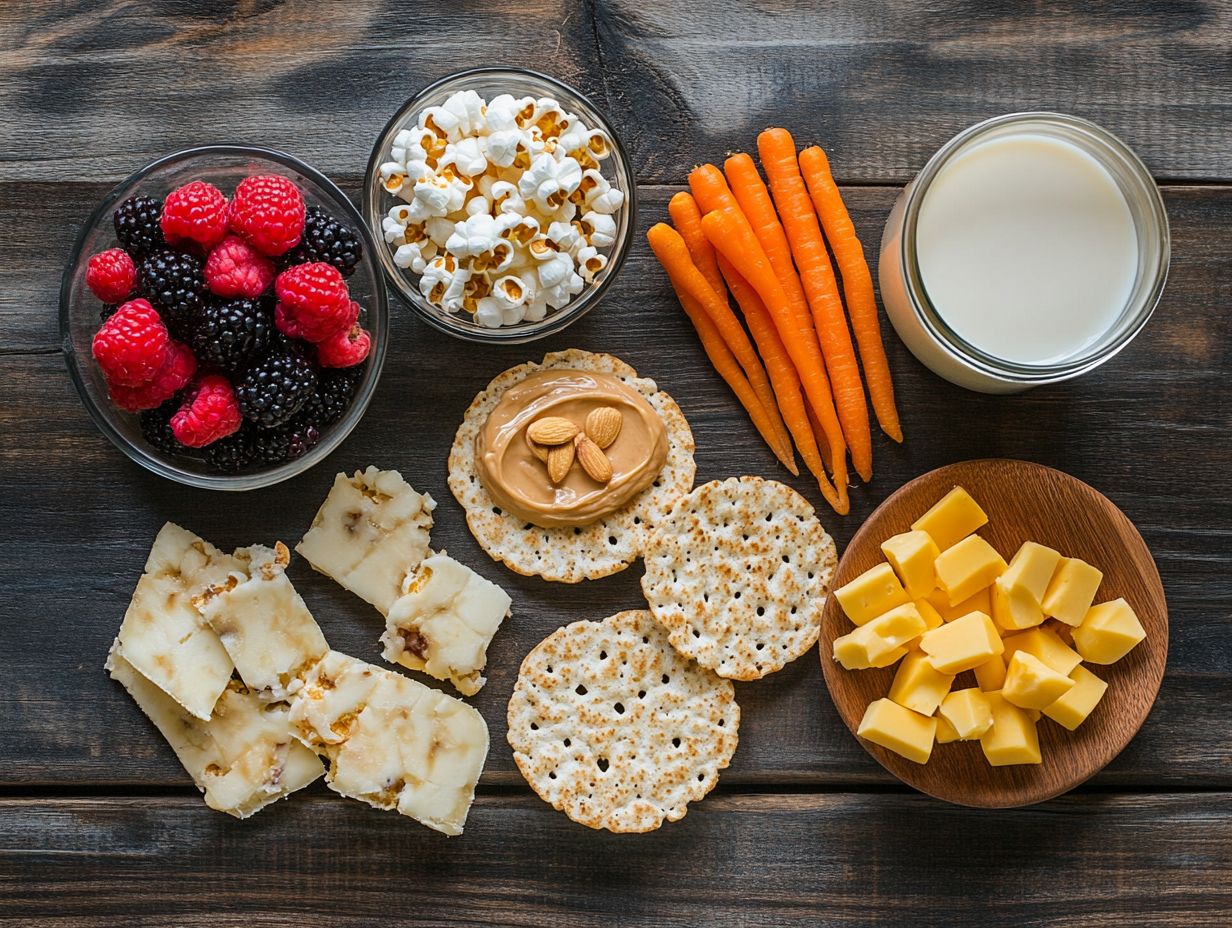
<point>1030,249</point>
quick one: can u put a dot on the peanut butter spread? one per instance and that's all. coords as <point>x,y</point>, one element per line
<point>517,479</point>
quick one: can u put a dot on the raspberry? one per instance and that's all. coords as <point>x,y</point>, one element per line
<point>173,281</point>
<point>111,275</point>
<point>346,349</point>
<point>268,211</point>
<point>132,345</point>
<point>235,268</point>
<point>178,369</point>
<point>315,301</point>
<point>326,239</point>
<point>276,389</point>
<point>209,412</point>
<point>137,225</point>
<point>156,427</point>
<point>231,335</point>
<point>196,212</point>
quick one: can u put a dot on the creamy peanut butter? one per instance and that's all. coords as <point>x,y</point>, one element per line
<point>518,481</point>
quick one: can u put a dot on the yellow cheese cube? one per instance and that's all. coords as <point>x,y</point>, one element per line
<point>967,712</point>
<point>1013,607</point>
<point>875,643</point>
<point>962,644</point>
<point>1045,644</point>
<point>912,554</point>
<point>1072,709</point>
<point>1071,591</point>
<point>945,731</point>
<point>917,686</point>
<point>1032,684</point>
<point>1012,738</point>
<point>990,675</point>
<point>955,516</point>
<point>932,619</point>
<point>1109,632</point>
<point>1031,568</point>
<point>874,592</point>
<point>900,730</point>
<point>968,567</point>
<point>977,602</point>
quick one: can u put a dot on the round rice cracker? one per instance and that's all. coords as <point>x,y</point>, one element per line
<point>610,725</point>
<point>738,574</point>
<point>570,555</point>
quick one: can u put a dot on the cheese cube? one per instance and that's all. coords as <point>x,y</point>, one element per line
<point>979,602</point>
<point>1012,738</point>
<point>1013,607</point>
<point>1032,684</point>
<point>1109,632</point>
<point>917,686</point>
<point>990,675</point>
<point>955,516</point>
<point>962,644</point>
<point>872,644</point>
<point>1031,568</point>
<point>932,619</point>
<point>1045,644</point>
<point>945,731</point>
<point>900,730</point>
<point>912,554</point>
<point>968,567</point>
<point>967,713</point>
<point>1072,709</point>
<point>871,594</point>
<point>1071,591</point>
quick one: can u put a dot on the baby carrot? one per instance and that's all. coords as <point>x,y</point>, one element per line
<point>670,248</point>
<point>778,157</point>
<point>687,219</point>
<point>857,285</point>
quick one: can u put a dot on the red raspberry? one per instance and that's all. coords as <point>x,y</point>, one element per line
<point>345,349</point>
<point>235,268</point>
<point>111,275</point>
<point>196,212</point>
<point>179,368</point>
<point>209,413</point>
<point>268,211</point>
<point>132,345</point>
<point>315,301</point>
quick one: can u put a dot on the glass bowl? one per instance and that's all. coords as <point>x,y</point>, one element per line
<point>488,83</point>
<point>224,166</point>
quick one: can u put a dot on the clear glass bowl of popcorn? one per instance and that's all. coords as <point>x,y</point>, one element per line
<point>505,202</point>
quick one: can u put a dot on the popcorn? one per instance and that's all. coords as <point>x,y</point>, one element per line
<point>439,195</point>
<point>512,291</point>
<point>438,229</point>
<point>506,199</point>
<point>597,193</point>
<point>468,108</point>
<point>536,310</point>
<point>393,176</point>
<point>478,205</point>
<point>503,113</point>
<point>443,123</point>
<point>518,228</point>
<point>549,182</point>
<point>590,262</point>
<point>489,313</point>
<point>555,270</point>
<point>599,229</point>
<point>564,236</point>
<point>563,293</point>
<point>477,235</point>
<point>415,255</point>
<point>466,156</point>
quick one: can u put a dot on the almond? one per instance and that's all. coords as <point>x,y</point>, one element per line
<point>539,451</point>
<point>603,425</point>
<point>593,460</point>
<point>560,460</point>
<point>551,430</point>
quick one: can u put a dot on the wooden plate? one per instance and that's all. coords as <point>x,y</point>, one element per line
<point>1024,502</point>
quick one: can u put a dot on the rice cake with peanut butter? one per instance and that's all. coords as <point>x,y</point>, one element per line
<point>546,510</point>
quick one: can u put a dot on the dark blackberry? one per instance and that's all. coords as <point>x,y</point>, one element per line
<point>231,335</point>
<point>326,239</point>
<point>275,389</point>
<point>156,427</point>
<point>285,443</point>
<point>334,391</point>
<point>138,226</point>
<point>107,311</point>
<point>232,454</point>
<point>175,283</point>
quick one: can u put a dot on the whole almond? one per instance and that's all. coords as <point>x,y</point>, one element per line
<point>593,460</point>
<point>560,460</point>
<point>603,425</point>
<point>551,430</point>
<point>539,451</point>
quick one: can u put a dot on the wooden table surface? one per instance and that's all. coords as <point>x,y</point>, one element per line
<point>98,823</point>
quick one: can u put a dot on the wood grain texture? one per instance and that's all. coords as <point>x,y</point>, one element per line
<point>1024,502</point>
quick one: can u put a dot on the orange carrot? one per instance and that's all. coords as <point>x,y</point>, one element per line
<point>670,248</point>
<point>687,219</point>
<point>730,234</point>
<point>778,157</point>
<point>857,285</point>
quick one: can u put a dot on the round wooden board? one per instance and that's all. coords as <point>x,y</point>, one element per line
<point>1024,502</point>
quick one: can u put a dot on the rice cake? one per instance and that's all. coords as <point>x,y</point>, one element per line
<point>570,555</point>
<point>738,573</point>
<point>614,728</point>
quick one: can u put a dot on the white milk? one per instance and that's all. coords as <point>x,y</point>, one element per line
<point>1026,248</point>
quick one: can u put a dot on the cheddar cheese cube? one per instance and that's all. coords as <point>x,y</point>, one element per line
<point>1045,644</point>
<point>1031,568</point>
<point>945,731</point>
<point>1013,607</point>
<point>955,516</point>
<point>874,592</point>
<point>900,730</point>
<point>990,675</point>
<point>917,686</point>
<point>879,643</point>
<point>1012,738</point>
<point>932,619</point>
<point>912,554</point>
<point>1032,684</point>
<point>980,601</point>
<point>968,567</point>
<point>967,713</point>
<point>1072,709</point>
<point>962,644</point>
<point>1109,632</point>
<point>1071,591</point>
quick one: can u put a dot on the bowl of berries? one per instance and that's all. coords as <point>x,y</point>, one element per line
<point>223,317</point>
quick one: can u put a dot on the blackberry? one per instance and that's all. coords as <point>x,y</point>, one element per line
<point>275,389</point>
<point>231,335</point>
<point>334,391</point>
<point>138,226</point>
<point>107,311</point>
<point>232,454</point>
<point>156,427</point>
<point>175,283</point>
<point>326,239</point>
<point>285,443</point>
